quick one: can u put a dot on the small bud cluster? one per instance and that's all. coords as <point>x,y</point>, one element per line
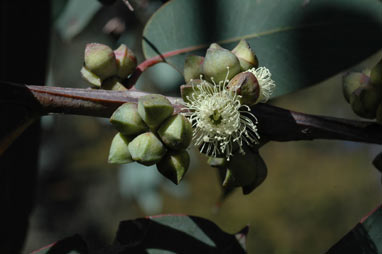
<point>363,90</point>
<point>150,134</point>
<point>108,69</point>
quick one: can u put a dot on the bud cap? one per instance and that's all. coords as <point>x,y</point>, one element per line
<point>154,109</point>
<point>147,149</point>
<point>127,120</point>
<point>119,153</point>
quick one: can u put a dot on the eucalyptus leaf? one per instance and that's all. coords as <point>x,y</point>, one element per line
<point>301,42</point>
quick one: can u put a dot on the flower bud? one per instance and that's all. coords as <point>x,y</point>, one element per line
<point>351,81</point>
<point>154,109</point>
<point>216,63</point>
<point>246,85</point>
<point>127,120</point>
<point>126,61</point>
<point>147,149</point>
<point>176,132</point>
<point>192,67</point>
<point>174,165</point>
<point>100,60</point>
<point>90,77</point>
<point>365,100</point>
<point>119,152</point>
<point>215,46</point>
<point>113,83</point>
<point>245,55</point>
<point>376,75</point>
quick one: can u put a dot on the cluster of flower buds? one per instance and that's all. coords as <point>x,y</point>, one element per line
<point>108,69</point>
<point>149,133</point>
<point>363,90</point>
<point>247,170</point>
<point>220,88</point>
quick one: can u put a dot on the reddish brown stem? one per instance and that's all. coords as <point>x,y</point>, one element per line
<point>274,123</point>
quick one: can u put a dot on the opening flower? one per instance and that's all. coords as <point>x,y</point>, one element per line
<point>220,122</point>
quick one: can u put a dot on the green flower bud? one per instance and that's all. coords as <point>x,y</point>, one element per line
<point>189,89</point>
<point>147,149</point>
<point>100,60</point>
<point>379,113</point>
<point>174,165</point>
<point>126,61</point>
<point>215,46</point>
<point>365,100</point>
<point>351,81</point>
<point>176,132</point>
<point>192,67</point>
<point>154,109</point>
<point>245,55</point>
<point>376,75</point>
<point>119,152</point>
<point>90,77</point>
<point>216,63</point>
<point>127,120</point>
<point>246,85</point>
<point>113,83</point>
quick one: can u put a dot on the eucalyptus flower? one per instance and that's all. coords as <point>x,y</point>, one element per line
<point>220,121</point>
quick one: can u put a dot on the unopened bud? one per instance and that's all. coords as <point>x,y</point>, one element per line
<point>176,132</point>
<point>216,63</point>
<point>351,81</point>
<point>245,55</point>
<point>126,61</point>
<point>90,77</point>
<point>100,60</point>
<point>192,67</point>
<point>127,120</point>
<point>147,149</point>
<point>119,152</point>
<point>365,100</point>
<point>154,109</point>
<point>246,85</point>
<point>174,165</point>
<point>113,83</point>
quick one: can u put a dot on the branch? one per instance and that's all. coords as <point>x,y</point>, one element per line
<point>274,123</point>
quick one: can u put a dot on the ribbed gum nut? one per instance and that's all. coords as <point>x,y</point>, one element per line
<point>147,149</point>
<point>174,165</point>
<point>113,83</point>
<point>127,120</point>
<point>216,63</point>
<point>126,61</point>
<point>90,77</point>
<point>352,81</point>
<point>176,132</point>
<point>100,60</point>
<point>376,75</point>
<point>189,89</point>
<point>246,56</point>
<point>154,109</point>
<point>379,113</point>
<point>119,152</point>
<point>246,85</point>
<point>365,101</point>
<point>217,162</point>
<point>192,67</point>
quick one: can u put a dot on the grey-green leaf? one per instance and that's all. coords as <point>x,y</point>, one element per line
<point>302,43</point>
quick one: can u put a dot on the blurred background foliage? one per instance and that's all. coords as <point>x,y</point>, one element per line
<point>315,192</point>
